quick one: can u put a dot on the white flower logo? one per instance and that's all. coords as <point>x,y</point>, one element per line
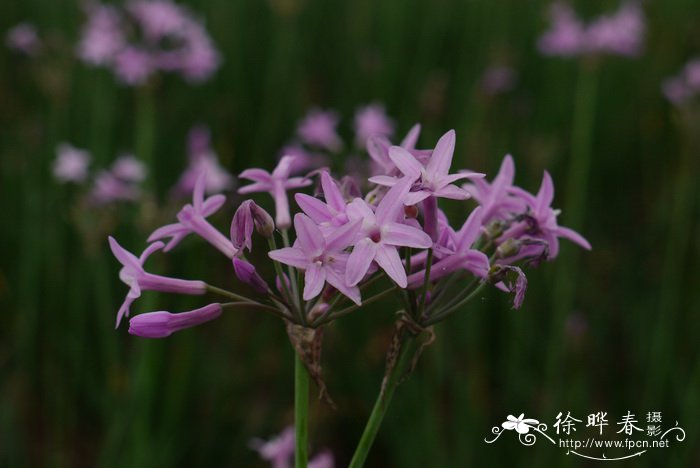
<point>521,425</point>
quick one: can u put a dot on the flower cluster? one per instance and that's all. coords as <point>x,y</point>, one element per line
<point>619,33</point>
<point>120,182</point>
<point>145,37</point>
<point>684,86</point>
<point>344,242</point>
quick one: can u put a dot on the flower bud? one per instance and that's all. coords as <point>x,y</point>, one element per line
<point>246,273</point>
<point>161,324</point>
<point>411,211</point>
<point>508,248</point>
<point>264,224</point>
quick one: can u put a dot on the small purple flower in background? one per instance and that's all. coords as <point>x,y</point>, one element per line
<point>276,184</point>
<point>279,451</point>
<point>322,259</point>
<point>134,276</point>
<point>102,36</point>
<point>71,164</point>
<point>318,128</point>
<point>129,169</point>
<point>683,87</point>
<point>163,324</point>
<point>202,158</point>
<point>498,79</point>
<point>619,33</point>
<point>109,188</point>
<point>192,219</point>
<point>372,121</point>
<point>23,38</point>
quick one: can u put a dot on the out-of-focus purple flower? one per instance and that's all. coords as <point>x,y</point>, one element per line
<point>318,128</point>
<point>566,36</point>
<point>619,33</point>
<point>133,66</point>
<point>540,221</point>
<point>322,460</point>
<point>322,259</point>
<point>129,169</point>
<point>372,121</point>
<point>276,184</point>
<point>162,324</point>
<point>157,18</point>
<point>378,149</point>
<point>303,159</point>
<point>683,87</point>
<point>330,213</point>
<point>192,219</point>
<point>134,276</point>
<point>381,235</point>
<point>279,450</point>
<point>247,273</point>
<point>202,159</point>
<point>23,38</point>
<point>496,198</point>
<point>109,188</point>
<point>102,35</point>
<point>498,79</point>
<point>71,164</point>
<point>432,179</point>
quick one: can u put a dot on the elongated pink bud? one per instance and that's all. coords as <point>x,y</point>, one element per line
<point>161,324</point>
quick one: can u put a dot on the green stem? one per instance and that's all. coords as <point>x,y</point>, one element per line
<point>347,310</point>
<point>301,412</point>
<point>382,404</point>
<point>426,283</point>
<point>230,295</point>
<point>442,315</point>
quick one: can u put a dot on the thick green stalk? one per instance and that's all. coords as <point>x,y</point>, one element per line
<point>382,404</point>
<point>301,412</point>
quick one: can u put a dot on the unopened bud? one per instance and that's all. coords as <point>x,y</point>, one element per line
<point>411,211</point>
<point>508,248</point>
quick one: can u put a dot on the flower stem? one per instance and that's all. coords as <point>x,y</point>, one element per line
<point>382,404</point>
<point>301,412</point>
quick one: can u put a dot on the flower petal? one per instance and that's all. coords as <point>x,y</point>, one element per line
<point>405,161</point>
<point>343,236</point>
<point>314,279</point>
<point>337,280</point>
<point>309,236</point>
<point>441,159</point>
<point>411,138</point>
<point>125,257</point>
<point>413,198</point>
<point>452,192</point>
<point>405,236</point>
<point>383,180</point>
<point>331,192</point>
<point>256,175</point>
<point>391,206</point>
<point>290,256</point>
<point>313,207</point>
<point>359,261</point>
<point>573,236</point>
<point>388,259</point>
<point>545,194</point>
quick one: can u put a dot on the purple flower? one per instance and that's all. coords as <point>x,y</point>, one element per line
<point>540,221</point>
<point>109,188</point>
<point>496,198</point>
<point>322,259</point>
<point>134,276</point>
<point>133,66</point>
<point>101,36</point>
<point>330,213</point>
<point>432,179</point>
<point>158,18</point>
<point>621,33</point>
<point>192,218</point>
<point>372,121</point>
<point>203,159</point>
<point>278,450</point>
<point>129,169</point>
<point>378,149</point>
<point>318,128</point>
<point>249,216</point>
<point>23,38</point>
<point>162,324</point>
<point>322,460</point>
<point>71,163</point>
<point>382,233</point>
<point>276,184</point>
<point>681,88</point>
<point>566,36</point>
<point>457,253</point>
<point>246,273</point>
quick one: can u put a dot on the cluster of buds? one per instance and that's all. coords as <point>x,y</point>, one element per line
<point>619,33</point>
<point>145,37</point>
<point>340,242</point>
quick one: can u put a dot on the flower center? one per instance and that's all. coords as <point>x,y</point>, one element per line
<point>375,235</point>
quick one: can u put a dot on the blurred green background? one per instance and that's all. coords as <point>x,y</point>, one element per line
<point>74,392</point>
